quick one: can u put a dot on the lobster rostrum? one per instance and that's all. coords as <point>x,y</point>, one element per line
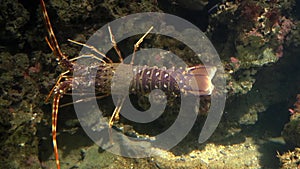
<point>145,79</point>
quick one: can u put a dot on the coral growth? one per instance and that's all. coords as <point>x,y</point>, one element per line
<point>256,34</point>
<point>250,11</point>
<point>296,110</point>
<point>268,29</point>
<point>291,131</point>
<point>290,159</point>
<point>291,134</point>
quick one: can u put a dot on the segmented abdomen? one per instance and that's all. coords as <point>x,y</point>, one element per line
<point>194,80</point>
<point>147,79</point>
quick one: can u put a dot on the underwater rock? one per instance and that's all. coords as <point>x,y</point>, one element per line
<point>250,34</point>
<point>20,111</point>
<point>122,8</point>
<point>13,18</point>
<point>291,134</point>
<point>27,75</point>
<point>291,131</point>
<point>191,4</point>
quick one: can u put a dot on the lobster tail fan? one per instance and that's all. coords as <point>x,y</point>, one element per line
<point>199,80</point>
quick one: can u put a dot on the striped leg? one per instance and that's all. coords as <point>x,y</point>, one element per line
<point>55,105</point>
<point>59,90</point>
<point>61,86</point>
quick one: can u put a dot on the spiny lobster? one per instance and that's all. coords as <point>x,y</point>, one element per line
<point>145,78</point>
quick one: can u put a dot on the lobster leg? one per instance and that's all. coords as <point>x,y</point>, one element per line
<point>61,76</point>
<point>93,49</point>
<point>137,44</point>
<point>59,90</point>
<point>113,41</point>
<point>83,100</point>
<point>88,56</point>
<point>55,105</point>
<point>115,115</point>
<point>60,87</point>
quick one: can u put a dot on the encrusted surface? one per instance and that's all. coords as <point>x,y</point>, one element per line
<point>262,70</point>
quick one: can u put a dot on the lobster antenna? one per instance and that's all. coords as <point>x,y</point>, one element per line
<point>51,39</point>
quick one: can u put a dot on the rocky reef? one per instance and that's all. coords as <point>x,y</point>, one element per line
<point>291,131</point>
<point>291,134</point>
<point>256,33</point>
<point>257,42</point>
